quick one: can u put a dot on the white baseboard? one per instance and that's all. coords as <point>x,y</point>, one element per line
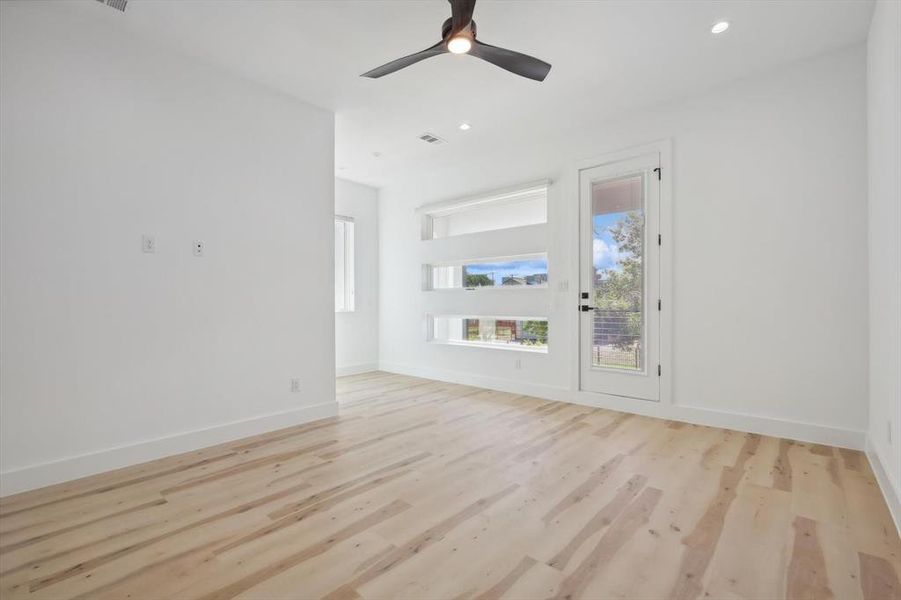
<point>891,488</point>
<point>795,430</point>
<point>75,467</point>
<point>491,383</point>
<point>356,369</point>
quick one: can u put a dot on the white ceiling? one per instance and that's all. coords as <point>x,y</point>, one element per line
<point>608,57</point>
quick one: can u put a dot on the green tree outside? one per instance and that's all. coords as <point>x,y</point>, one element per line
<point>538,329</point>
<point>621,289</point>
<point>477,280</point>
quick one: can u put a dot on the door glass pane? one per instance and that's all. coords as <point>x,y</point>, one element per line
<point>618,223</point>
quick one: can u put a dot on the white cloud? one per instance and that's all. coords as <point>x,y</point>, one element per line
<point>605,255</point>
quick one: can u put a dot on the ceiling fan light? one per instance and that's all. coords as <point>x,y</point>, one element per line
<point>459,45</point>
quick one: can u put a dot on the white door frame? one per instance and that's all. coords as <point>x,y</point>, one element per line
<point>664,149</point>
<point>643,384</point>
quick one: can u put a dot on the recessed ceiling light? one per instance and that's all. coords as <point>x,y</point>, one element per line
<point>719,27</point>
<point>465,126</point>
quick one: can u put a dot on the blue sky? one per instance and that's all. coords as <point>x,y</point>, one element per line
<point>606,252</point>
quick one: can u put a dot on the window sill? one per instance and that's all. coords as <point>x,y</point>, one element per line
<point>490,346</point>
<point>487,287</point>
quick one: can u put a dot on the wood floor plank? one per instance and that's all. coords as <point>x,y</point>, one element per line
<point>323,494</point>
<point>422,541</point>
<point>625,526</point>
<point>807,578</point>
<point>57,532</point>
<point>782,468</point>
<point>115,486</point>
<point>430,490</point>
<point>878,579</point>
<point>97,561</point>
<point>383,513</point>
<point>603,518</point>
<point>702,541</point>
<point>758,524</point>
<point>323,505</point>
<point>596,478</point>
<point>246,466</point>
<point>509,580</point>
<point>617,421</point>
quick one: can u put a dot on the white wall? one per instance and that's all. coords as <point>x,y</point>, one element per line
<point>769,248</point>
<point>357,332</point>
<point>112,356</point>
<point>884,156</point>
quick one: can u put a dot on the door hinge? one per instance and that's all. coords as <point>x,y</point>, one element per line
<point>659,172</point>
<point>659,239</point>
<point>659,304</point>
<point>659,371</point>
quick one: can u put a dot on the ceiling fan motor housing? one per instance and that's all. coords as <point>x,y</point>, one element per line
<point>469,31</point>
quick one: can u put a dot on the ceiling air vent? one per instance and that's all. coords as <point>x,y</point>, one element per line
<point>431,138</point>
<point>117,4</point>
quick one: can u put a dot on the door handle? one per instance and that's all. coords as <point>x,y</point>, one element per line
<point>586,308</point>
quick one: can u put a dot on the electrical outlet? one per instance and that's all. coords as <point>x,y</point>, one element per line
<point>517,364</point>
<point>295,385</point>
<point>148,244</point>
<point>198,248</point>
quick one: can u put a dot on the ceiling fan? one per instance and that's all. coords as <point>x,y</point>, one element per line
<point>458,36</point>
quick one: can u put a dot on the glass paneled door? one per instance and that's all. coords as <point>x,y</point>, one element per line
<point>620,278</point>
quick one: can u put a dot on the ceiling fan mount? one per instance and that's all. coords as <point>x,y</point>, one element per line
<point>447,27</point>
<point>458,36</point>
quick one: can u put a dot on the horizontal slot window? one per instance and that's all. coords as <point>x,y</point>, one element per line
<point>514,333</point>
<point>514,272</point>
<point>501,210</point>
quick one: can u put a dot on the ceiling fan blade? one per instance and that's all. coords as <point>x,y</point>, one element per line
<point>400,63</point>
<point>515,62</point>
<point>461,15</point>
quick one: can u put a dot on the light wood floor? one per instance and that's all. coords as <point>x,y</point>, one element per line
<point>425,490</point>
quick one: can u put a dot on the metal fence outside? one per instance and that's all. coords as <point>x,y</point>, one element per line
<point>615,344</point>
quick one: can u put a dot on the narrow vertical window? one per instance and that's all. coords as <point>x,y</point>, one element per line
<point>344,264</point>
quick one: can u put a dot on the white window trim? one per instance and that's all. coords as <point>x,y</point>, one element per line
<point>348,268</point>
